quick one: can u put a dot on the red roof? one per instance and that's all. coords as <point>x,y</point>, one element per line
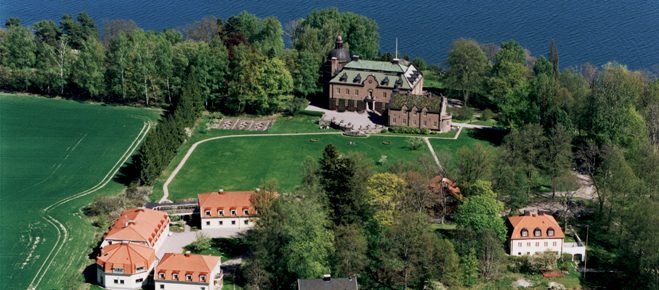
<point>232,200</point>
<point>139,224</point>
<point>185,264</point>
<point>532,222</point>
<point>127,257</point>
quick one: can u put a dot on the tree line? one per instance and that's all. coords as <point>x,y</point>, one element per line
<point>240,62</point>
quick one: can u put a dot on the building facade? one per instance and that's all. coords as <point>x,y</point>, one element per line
<point>419,111</point>
<point>124,265</point>
<point>534,233</point>
<point>222,210</point>
<point>189,272</point>
<point>354,84</point>
<point>139,225</point>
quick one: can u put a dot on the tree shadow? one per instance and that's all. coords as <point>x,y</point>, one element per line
<point>129,172</point>
<point>494,136</point>
<point>231,247</point>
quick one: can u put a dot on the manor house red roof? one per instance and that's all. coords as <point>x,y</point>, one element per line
<point>531,222</point>
<point>186,264</point>
<point>225,201</point>
<point>126,256</point>
<point>139,224</point>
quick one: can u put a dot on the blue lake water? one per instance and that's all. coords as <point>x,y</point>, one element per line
<point>584,31</point>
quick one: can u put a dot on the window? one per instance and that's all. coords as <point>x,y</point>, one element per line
<point>338,90</point>
<point>528,244</point>
<point>434,123</point>
<point>525,233</point>
<point>519,244</point>
<point>554,244</point>
<point>393,120</point>
<point>117,270</point>
<point>162,286</point>
<point>188,277</point>
<point>404,122</point>
<point>414,121</point>
<point>424,123</point>
<point>208,213</point>
<point>175,276</point>
<point>537,232</point>
<point>384,95</point>
<point>220,212</point>
<point>356,92</point>
<point>208,223</point>
<point>220,222</point>
<point>246,212</point>
<point>233,222</point>
<point>121,282</point>
<point>537,244</point>
<point>528,253</point>
<point>139,269</point>
<point>414,113</point>
<point>161,275</point>
<point>109,242</point>
<point>202,278</point>
<point>550,232</point>
<point>139,280</point>
<point>425,114</point>
<point>347,91</point>
<point>233,212</point>
<point>247,222</point>
<point>203,288</point>
<point>546,244</point>
<point>116,281</point>
<point>519,253</point>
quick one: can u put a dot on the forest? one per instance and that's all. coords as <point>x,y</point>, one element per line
<point>598,121</point>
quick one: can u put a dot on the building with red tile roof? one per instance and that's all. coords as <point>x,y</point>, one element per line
<point>124,265</point>
<point>532,233</point>
<point>187,271</point>
<point>139,225</point>
<point>222,209</point>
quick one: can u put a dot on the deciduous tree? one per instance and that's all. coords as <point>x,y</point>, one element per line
<point>468,67</point>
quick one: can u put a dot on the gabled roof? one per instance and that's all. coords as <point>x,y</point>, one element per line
<point>434,104</point>
<point>214,201</point>
<point>126,256</point>
<point>347,77</point>
<point>138,224</point>
<point>532,221</point>
<point>452,187</point>
<point>186,264</point>
<point>327,284</point>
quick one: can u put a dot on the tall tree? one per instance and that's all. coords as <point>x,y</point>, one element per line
<point>553,58</point>
<point>480,213</point>
<point>18,49</point>
<point>385,193</point>
<point>350,251</point>
<point>47,32</point>
<point>112,28</point>
<point>473,164</point>
<point>118,62</point>
<point>89,68</point>
<point>468,67</point>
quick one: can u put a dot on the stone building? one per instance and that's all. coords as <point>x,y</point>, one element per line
<point>354,84</point>
<point>419,111</point>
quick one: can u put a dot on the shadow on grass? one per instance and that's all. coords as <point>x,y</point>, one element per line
<point>494,137</point>
<point>129,172</point>
<point>231,247</point>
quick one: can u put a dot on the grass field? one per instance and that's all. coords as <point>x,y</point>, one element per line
<point>469,137</point>
<point>55,155</point>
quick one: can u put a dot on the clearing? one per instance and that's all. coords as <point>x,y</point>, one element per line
<point>55,156</point>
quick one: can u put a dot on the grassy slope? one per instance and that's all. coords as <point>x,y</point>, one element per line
<point>468,138</point>
<point>49,150</point>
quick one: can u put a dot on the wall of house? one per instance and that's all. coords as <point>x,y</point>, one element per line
<point>214,222</point>
<point>418,89</point>
<point>129,280</point>
<point>532,246</point>
<point>181,285</point>
<point>431,119</point>
<point>163,237</point>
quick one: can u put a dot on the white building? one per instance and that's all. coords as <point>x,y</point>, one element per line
<point>222,210</point>
<point>186,271</point>
<point>533,233</point>
<point>139,226</point>
<point>124,265</point>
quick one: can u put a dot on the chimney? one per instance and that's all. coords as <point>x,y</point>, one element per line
<point>258,189</point>
<point>527,213</point>
<point>326,277</point>
<point>187,253</point>
<point>355,57</point>
<point>335,64</point>
<point>141,208</point>
<point>395,61</point>
<point>130,222</point>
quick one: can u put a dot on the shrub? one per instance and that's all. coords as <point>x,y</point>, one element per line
<point>425,131</point>
<point>202,242</point>
<point>487,114</point>
<point>384,131</point>
<point>566,257</point>
<point>296,106</point>
<point>415,142</point>
<point>420,63</point>
<point>463,113</point>
<point>312,113</point>
<point>555,286</point>
<point>543,261</point>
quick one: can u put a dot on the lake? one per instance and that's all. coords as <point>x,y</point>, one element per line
<point>584,31</point>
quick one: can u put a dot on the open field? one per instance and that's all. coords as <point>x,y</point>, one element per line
<point>55,155</point>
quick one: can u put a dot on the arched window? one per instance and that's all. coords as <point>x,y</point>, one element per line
<point>537,232</point>
<point>525,232</point>
<point>550,232</point>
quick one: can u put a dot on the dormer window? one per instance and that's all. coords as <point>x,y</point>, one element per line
<point>161,275</point>
<point>220,212</point>
<point>175,276</point>
<point>188,277</point>
<point>117,270</point>
<point>537,232</point>
<point>525,233</point>
<point>208,213</point>
<point>139,269</point>
<point>550,232</point>
<point>233,212</point>
<point>246,212</point>
<point>202,278</point>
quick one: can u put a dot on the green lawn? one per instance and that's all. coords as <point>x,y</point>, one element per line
<point>51,150</point>
<point>240,163</point>
<point>469,137</point>
<point>227,248</point>
<point>431,79</point>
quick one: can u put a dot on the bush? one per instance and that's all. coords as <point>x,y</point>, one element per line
<point>487,114</point>
<point>415,142</point>
<point>296,106</point>
<point>425,131</point>
<point>312,113</point>
<point>463,114</point>
<point>420,63</point>
<point>555,286</point>
<point>566,258</point>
